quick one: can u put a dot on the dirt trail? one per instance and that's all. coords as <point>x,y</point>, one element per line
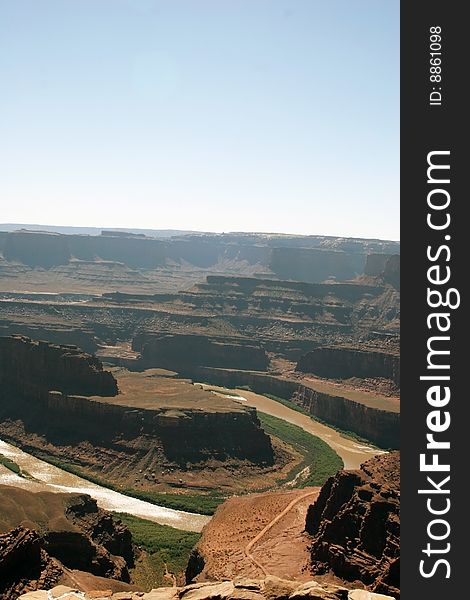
<point>258,534</point>
<point>269,526</point>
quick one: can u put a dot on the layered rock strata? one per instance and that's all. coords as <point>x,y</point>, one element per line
<point>355,525</point>
<point>39,393</point>
<point>307,258</point>
<point>344,362</point>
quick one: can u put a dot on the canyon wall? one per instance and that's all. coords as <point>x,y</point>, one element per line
<point>385,267</point>
<point>355,525</point>
<point>31,367</point>
<point>343,363</point>
<point>36,249</point>
<point>178,351</point>
<point>303,258</point>
<point>176,435</point>
<point>381,427</point>
<point>38,381</point>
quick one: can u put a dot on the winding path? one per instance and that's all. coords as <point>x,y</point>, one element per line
<point>248,548</point>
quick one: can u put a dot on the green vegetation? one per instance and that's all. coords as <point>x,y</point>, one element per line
<point>10,464</point>
<point>290,404</point>
<point>167,550</point>
<point>317,455</point>
<point>300,409</point>
<point>204,504</point>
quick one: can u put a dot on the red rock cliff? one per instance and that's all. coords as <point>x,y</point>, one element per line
<point>355,525</point>
<point>30,367</point>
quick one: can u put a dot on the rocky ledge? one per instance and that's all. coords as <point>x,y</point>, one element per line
<point>44,388</point>
<point>271,588</point>
<point>32,368</point>
<point>355,524</point>
<point>64,532</point>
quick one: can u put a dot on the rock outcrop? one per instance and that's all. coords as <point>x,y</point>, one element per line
<point>32,368</point>
<point>305,258</point>
<point>64,531</point>
<point>23,560</point>
<point>344,362</point>
<point>73,529</point>
<point>355,525</point>
<point>379,425</point>
<point>271,588</point>
<point>180,351</point>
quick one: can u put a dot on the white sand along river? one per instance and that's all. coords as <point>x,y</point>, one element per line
<point>52,479</point>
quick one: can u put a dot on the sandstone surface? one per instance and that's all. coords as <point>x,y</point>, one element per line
<point>271,588</point>
<point>45,536</point>
<point>355,525</point>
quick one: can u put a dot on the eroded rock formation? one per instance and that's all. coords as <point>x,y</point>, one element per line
<point>40,398</point>
<point>271,588</point>
<point>23,560</point>
<point>179,351</point>
<point>64,532</point>
<point>344,362</point>
<point>31,368</point>
<point>355,525</point>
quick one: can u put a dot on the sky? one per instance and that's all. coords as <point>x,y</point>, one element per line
<point>207,115</point>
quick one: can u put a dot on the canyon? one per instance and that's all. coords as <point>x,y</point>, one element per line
<point>146,361</point>
<point>148,429</point>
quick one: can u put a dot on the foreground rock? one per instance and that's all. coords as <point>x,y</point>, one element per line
<point>355,525</point>
<point>26,567</point>
<point>271,588</point>
<point>47,535</point>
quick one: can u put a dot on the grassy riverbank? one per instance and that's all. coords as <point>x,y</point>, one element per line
<point>10,465</point>
<point>204,504</point>
<point>322,461</point>
<point>166,550</point>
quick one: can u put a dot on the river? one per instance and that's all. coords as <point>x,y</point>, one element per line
<point>48,477</point>
<point>352,452</point>
<point>52,479</point>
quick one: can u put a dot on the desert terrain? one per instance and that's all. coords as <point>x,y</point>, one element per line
<point>197,382</point>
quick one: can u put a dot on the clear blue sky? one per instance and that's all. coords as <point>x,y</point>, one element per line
<point>222,115</point>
